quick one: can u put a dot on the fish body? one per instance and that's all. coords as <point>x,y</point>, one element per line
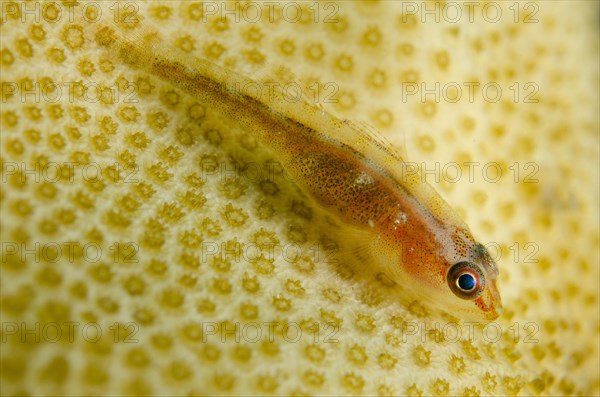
<point>402,223</point>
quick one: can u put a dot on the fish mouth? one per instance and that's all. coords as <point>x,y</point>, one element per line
<point>490,303</point>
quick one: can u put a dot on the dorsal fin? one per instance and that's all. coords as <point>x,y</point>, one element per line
<point>374,135</point>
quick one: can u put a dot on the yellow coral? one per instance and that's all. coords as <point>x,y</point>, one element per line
<point>118,191</point>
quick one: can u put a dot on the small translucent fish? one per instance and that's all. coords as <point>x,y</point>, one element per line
<point>398,219</point>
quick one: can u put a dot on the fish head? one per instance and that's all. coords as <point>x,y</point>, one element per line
<point>470,278</point>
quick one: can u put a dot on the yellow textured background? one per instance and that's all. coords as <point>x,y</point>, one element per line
<point>166,139</point>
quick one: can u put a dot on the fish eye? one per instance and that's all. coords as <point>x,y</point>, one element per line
<point>466,280</point>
